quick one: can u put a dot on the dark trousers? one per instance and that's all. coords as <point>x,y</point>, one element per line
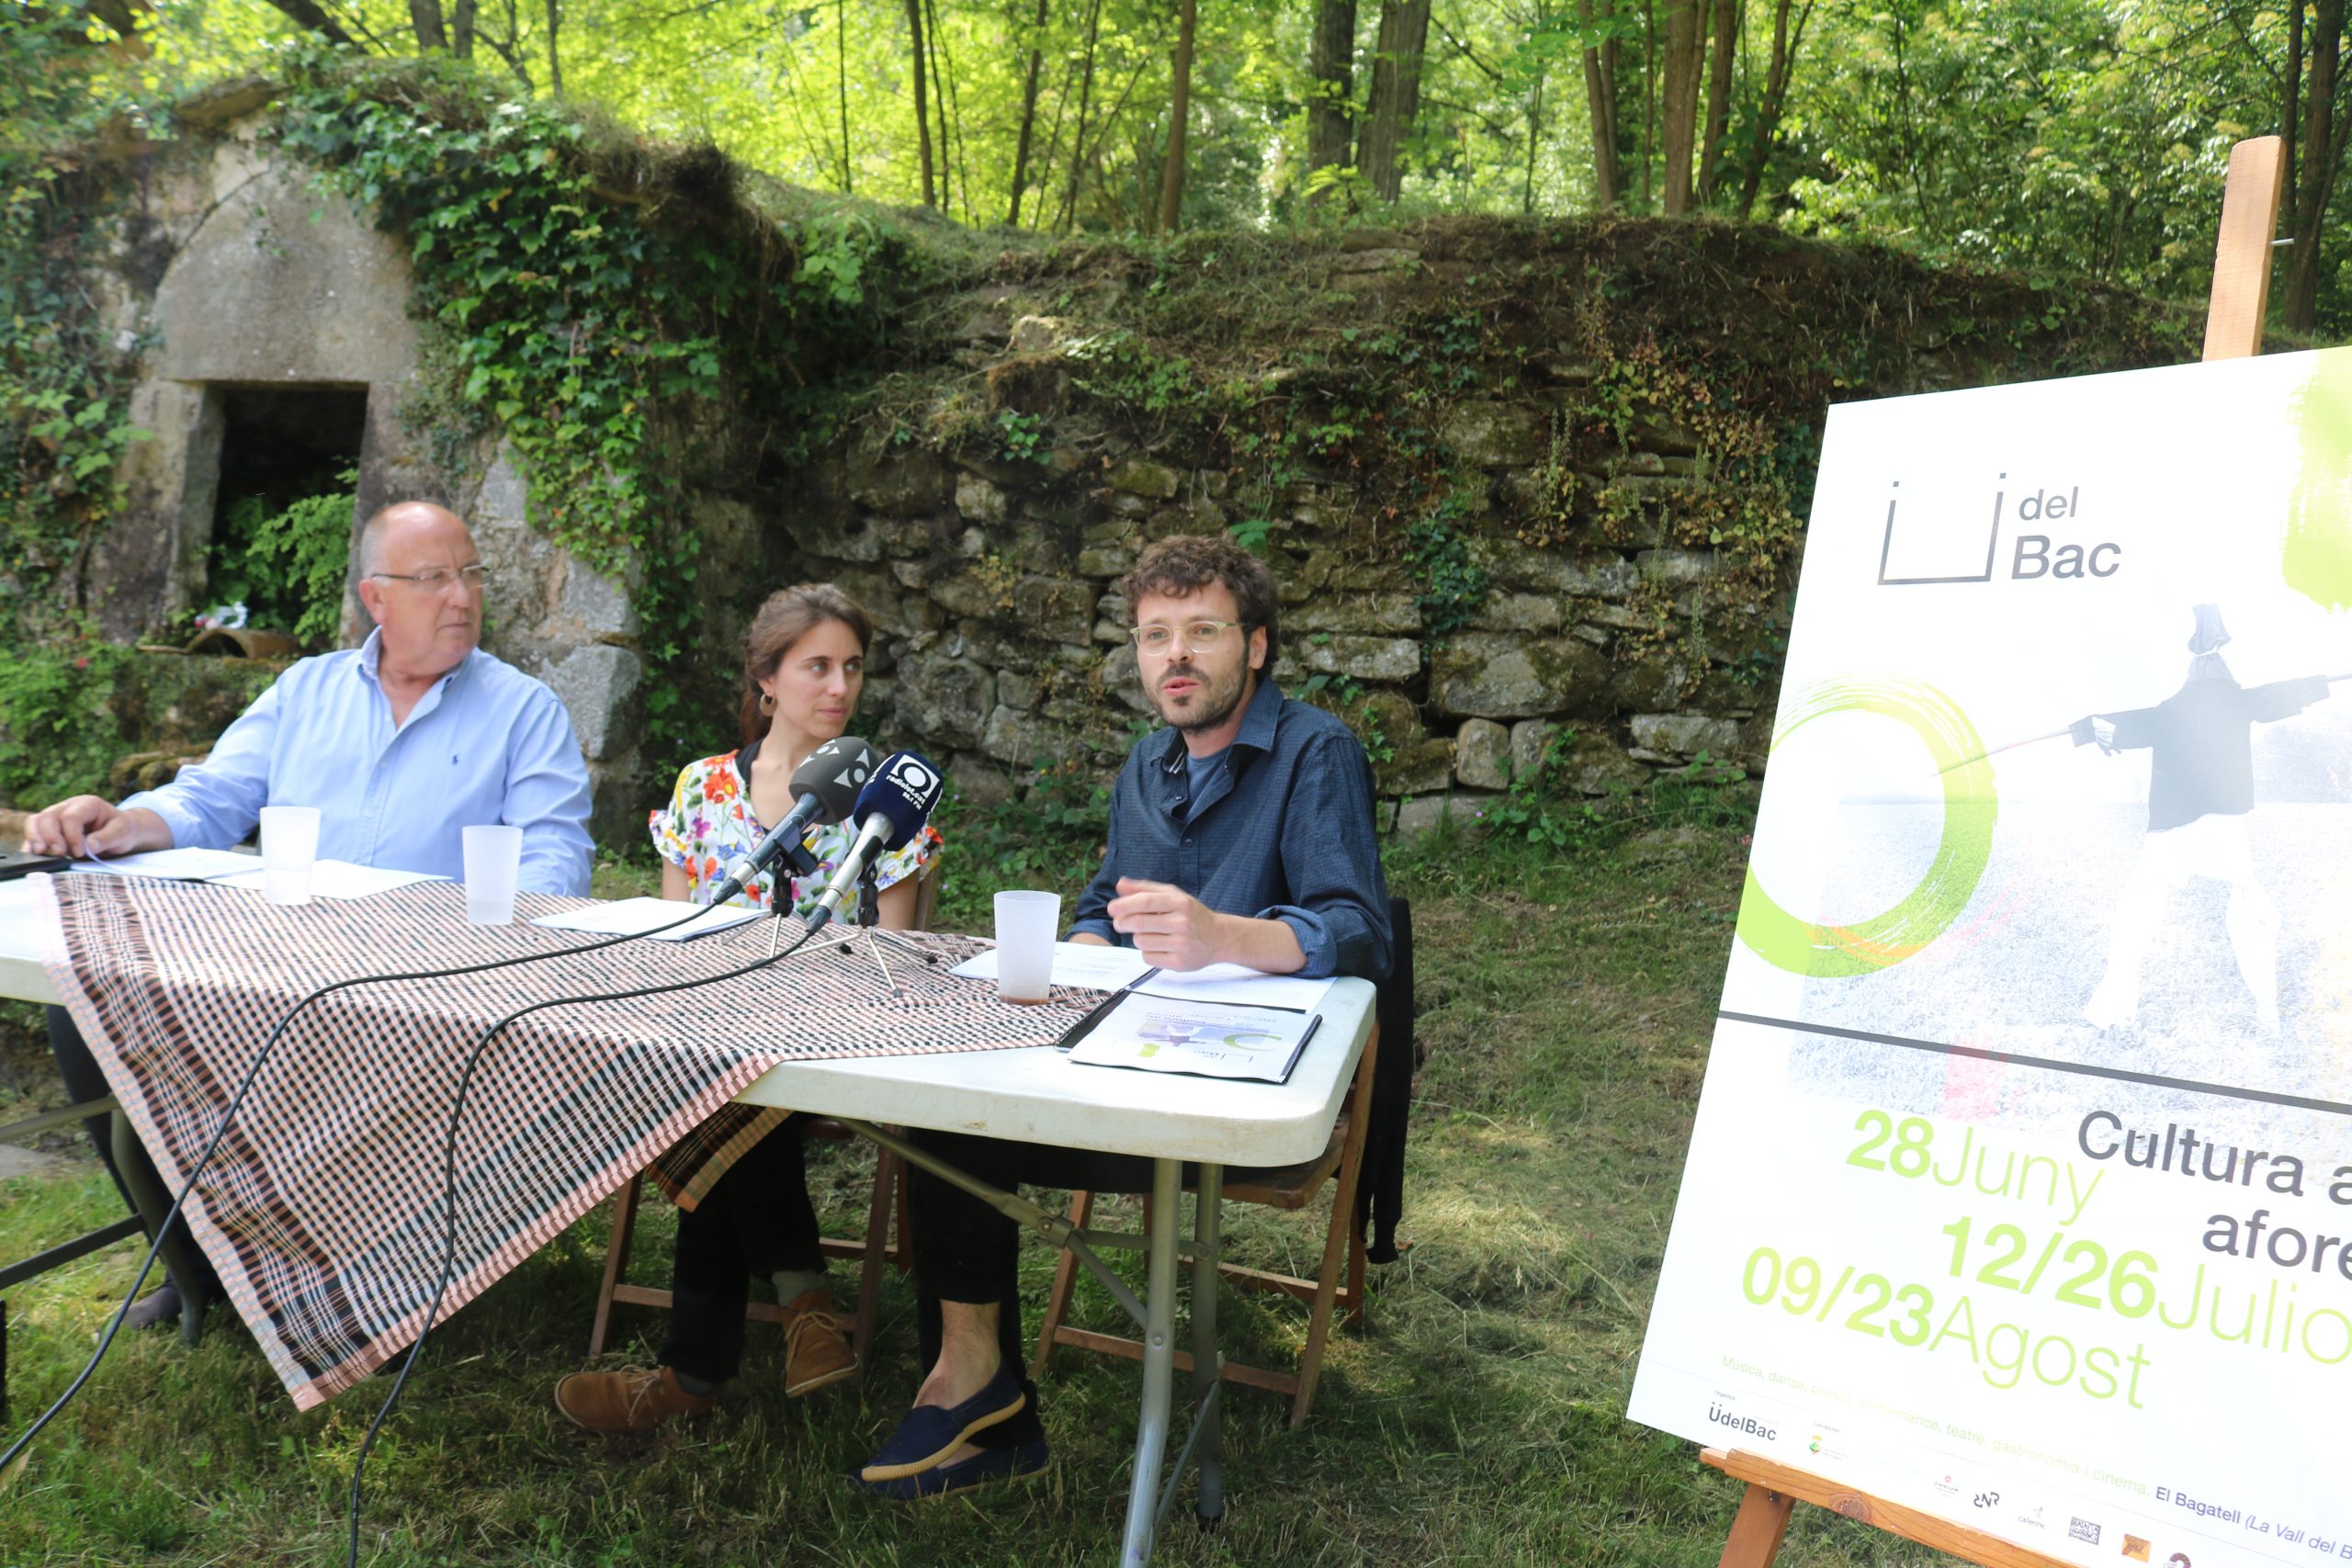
<point>755,1220</point>
<point>967,1252</point>
<point>83,1080</point>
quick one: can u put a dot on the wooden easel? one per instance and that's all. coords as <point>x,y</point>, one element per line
<point>2232,331</point>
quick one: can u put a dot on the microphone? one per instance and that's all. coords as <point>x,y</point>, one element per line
<point>890,810</point>
<point>827,786</point>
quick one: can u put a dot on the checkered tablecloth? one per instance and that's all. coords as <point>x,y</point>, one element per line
<point>325,1210</point>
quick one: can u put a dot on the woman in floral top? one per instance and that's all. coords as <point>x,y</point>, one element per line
<point>804,663</point>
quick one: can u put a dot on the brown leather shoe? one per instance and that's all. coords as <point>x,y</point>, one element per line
<point>635,1399</point>
<point>816,1351</point>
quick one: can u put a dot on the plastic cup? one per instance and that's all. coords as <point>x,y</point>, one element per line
<point>493,860</point>
<point>1025,924</point>
<point>290,847</point>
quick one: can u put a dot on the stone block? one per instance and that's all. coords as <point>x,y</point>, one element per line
<point>1602,575</point>
<point>1140,476</point>
<point>1482,754</point>
<point>1358,614</point>
<point>1023,741</point>
<point>833,537</point>
<point>1416,768</point>
<point>1017,690</point>
<point>595,602</point>
<point>1106,560</point>
<point>1499,675</point>
<point>1038,335</point>
<point>1497,434</point>
<point>1677,568</point>
<point>1684,734</point>
<point>980,784</point>
<point>1518,613</point>
<point>897,482</point>
<point>1649,682</point>
<point>1121,679</point>
<point>598,688</point>
<point>1464,808</point>
<point>945,701</point>
<point>1529,738</point>
<point>1389,259</point>
<point>1364,658</point>
<point>1057,609</point>
<point>977,500</point>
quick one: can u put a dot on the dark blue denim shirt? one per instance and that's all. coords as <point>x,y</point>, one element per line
<point>1282,830</point>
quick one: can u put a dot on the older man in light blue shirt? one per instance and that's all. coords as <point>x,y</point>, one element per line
<point>400,743</point>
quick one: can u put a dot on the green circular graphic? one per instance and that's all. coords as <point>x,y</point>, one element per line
<point>1803,947</point>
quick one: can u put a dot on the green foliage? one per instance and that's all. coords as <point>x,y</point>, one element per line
<point>57,736</point>
<point>1452,586</point>
<point>64,419</point>
<point>1049,836</point>
<point>1021,437</point>
<point>287,568</point>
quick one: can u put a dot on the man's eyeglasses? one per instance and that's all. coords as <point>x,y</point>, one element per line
<point>438,578</point>
<point>1200,637</point>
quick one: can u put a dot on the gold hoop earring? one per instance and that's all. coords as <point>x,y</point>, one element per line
<point>767,704</point>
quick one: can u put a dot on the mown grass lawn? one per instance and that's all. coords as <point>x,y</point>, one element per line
<point>1566,1005</point>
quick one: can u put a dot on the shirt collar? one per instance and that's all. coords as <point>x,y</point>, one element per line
<point>371,654</point>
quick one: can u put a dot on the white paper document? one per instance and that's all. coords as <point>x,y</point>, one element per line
<point>1162,1034</point>
<point>337,879</point>
<point>176,865</point>
<point>640,916</point>
<point>1074,964</point>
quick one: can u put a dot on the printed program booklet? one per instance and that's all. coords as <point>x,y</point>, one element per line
<point>1170,1034</point>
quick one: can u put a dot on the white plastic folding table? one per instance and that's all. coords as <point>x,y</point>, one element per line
<point>1037,1095</point>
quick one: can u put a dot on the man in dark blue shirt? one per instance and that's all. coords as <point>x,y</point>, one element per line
<point>1242,833</point>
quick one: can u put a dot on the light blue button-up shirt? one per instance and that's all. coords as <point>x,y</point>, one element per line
<point>485,744</point>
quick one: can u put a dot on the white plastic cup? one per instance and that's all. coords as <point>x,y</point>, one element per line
<point>493,861</point>
<point>290,847</point>
<point>1025,924</point>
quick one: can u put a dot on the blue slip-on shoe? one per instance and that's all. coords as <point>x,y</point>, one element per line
<point>944,1479</point>
<point>929,1433</point>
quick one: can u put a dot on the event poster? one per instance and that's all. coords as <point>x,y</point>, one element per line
<point>2020,1189</point>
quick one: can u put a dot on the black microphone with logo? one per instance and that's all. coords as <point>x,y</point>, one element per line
<point>890,810</point>
<point>825,789</point>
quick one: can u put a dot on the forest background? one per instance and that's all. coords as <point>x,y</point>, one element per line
<point>2078,137</point>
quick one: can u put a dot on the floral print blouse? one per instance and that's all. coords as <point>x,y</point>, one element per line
<point>708,825</point>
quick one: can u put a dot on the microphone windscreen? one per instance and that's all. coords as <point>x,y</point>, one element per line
<point>905,789</point>
<point>834,773</point>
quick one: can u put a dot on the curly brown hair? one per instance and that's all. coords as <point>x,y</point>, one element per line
<point>1186,563</point>
<point>790,615</point>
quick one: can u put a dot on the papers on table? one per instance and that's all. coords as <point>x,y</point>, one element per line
<point>179,865</point>
<point>639,917</point>
<point>1081,963</point>
<point>1164,1034</point>
<point>336,879</point>
<point>1116,968</point>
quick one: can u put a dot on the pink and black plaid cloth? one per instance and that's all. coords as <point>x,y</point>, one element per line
<point>324,1210</point>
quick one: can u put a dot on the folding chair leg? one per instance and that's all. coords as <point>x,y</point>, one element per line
<point>616,1260</point>
<point>888,1179</point>
<point>1081,1209</point>
<point>1339,1239</point>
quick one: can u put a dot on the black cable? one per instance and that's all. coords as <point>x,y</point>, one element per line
<point>450,1187</point>
<point>228,1119</point>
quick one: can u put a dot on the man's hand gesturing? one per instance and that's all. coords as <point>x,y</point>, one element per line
<point>88,827</point>
<point>1171,928</point>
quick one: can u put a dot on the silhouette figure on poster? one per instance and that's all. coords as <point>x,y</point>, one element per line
<point>2200,789</point>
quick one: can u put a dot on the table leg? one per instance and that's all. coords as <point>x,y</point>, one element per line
<point>154,1201</point>
<point>1208,1396</point>
<point>1158,1363</point>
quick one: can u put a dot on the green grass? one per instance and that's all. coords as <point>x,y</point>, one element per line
<point>1565,1004</point>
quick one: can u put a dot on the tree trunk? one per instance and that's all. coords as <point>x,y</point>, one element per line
<point>554,64</point>
<point>1028,114</point>
<point>935,47</point>
<point>1678,97</point>
<point>1534,137</point>
<point>1085,100</point>
<point>841,83</point>
<point>1179,110</point>
<point>1786,36</point>
<point>2324,133</point>
<point>1331,69</point>
<point>1396,93</point>
<point>2290,121</point>
<point>1711,149</point>
<point>1600,99</point>
<point>922,106</point>
<point>306,13</point>
<point>461,29</point>
<point>424,15</point>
